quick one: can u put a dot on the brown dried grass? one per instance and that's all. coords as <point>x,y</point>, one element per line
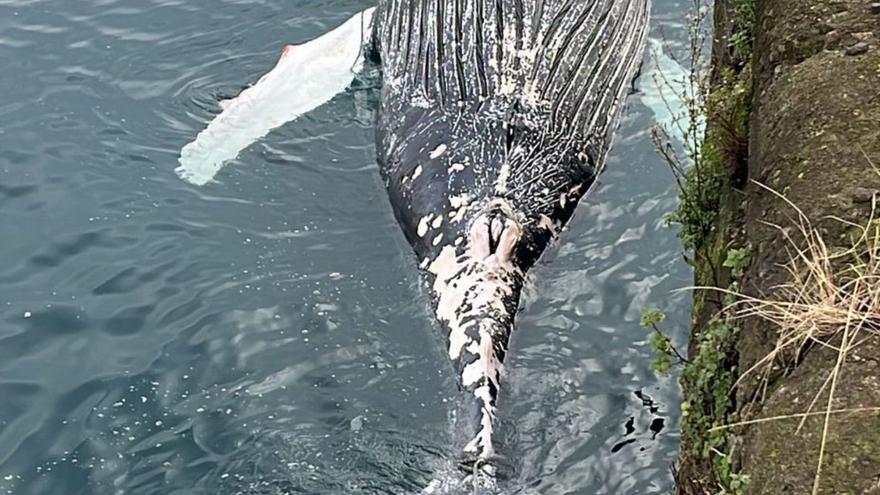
<point>831,299</point>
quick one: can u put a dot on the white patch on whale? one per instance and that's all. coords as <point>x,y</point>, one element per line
<point>423,225</point>
<point>547,223</point>
<point>438,151</point>
<point>503,175</point>
<point>459,204</point>
<point>458,215</point>
<point>459,200</point>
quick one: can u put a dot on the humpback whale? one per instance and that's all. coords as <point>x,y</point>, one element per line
<point>495,118</point>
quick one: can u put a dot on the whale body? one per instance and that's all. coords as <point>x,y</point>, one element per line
<point>495,118</point>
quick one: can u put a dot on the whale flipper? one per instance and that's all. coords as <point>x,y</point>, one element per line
<point>665,87</point>
<point>306,77</point>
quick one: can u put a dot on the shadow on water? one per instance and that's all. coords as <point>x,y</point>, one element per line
<point>269,333</point>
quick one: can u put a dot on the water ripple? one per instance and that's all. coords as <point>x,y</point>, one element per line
<point>269,332</point>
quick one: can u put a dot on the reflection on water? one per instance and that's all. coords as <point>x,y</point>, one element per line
<point>269,333</point>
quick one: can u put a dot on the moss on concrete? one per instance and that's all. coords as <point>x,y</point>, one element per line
<point>815,123</point>
<point>809,112</point>
<point>708,462</point>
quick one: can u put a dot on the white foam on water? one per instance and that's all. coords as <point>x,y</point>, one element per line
<point>306,77</point>
<point>453,482</point>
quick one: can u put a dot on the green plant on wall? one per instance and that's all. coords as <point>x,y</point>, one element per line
<point>707,174</point>
<point>744,14</point>
<point>666,355</point>
<point>738,259</point>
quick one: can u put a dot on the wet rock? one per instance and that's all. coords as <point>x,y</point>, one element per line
<point>832,39</point>
<point>857,49</point>
<point>864,195</point>
<point>866,36</point>
<point>823,27</point>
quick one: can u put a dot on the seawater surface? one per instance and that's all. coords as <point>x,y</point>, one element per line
<point>269,333</point>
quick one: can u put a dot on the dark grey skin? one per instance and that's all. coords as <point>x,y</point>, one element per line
<point>495,118</point>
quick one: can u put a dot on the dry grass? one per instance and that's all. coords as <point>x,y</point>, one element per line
<point>832,299</point>
<point>831,292</point>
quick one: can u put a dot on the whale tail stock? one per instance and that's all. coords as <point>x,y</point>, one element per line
<point>476,288</point>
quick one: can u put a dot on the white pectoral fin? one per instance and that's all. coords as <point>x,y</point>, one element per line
<point>665,86</point>
<point>306,77</point>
